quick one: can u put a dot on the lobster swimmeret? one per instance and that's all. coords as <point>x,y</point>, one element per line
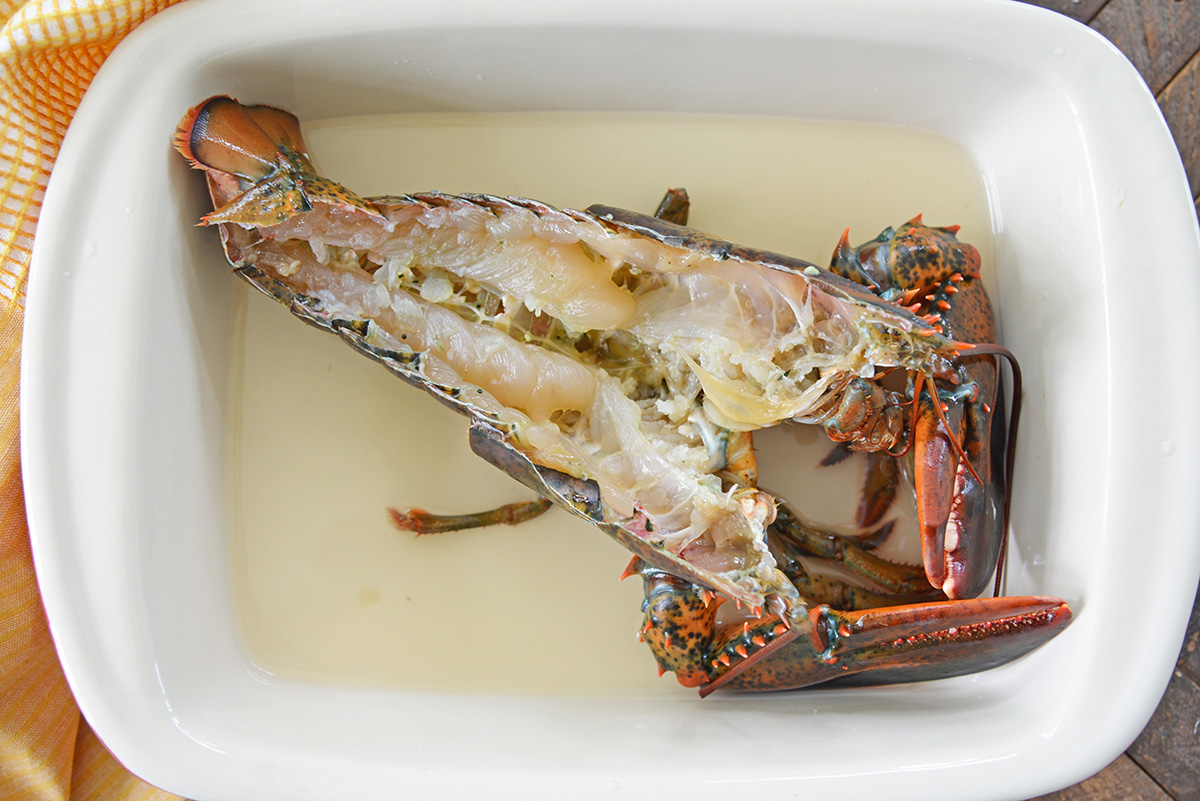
<point>617,363</point>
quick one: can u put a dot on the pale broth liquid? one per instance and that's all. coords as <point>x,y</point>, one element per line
<point>322,441</point>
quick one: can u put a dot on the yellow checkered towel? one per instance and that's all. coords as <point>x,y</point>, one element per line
<point>49,53</point>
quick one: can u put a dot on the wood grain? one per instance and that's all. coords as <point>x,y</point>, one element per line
<point>1082,10</point>
<point>1189,655</point>
<point>1123,780</point>
<point>1158,36</point>
<point>1169,747</point>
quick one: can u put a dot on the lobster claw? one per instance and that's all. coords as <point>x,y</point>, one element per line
<point>916,642</point>
<point>960,511</point>
<point>958,435</point>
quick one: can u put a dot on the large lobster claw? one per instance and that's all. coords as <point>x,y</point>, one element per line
<point>795,645</point>
<point>897,644</point>
<point>959,486</point>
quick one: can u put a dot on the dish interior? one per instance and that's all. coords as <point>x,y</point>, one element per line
<point>143,549</point>
<point>423,81</point>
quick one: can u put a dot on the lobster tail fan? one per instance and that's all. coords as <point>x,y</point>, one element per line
<point>282,127</point>
<point>182,140</point>
<point>263,148</point>
<point>221,134</point>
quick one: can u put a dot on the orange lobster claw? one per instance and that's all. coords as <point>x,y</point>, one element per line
<point>960,507</point>
<point>959,477</point>
<point>893,644</point>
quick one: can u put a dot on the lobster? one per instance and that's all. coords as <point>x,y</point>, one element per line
<point>618,363</point>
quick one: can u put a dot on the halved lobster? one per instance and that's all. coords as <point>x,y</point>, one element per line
<point>616,363</point>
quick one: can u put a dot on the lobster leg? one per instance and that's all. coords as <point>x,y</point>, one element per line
<point>824,589</point>
<point>882,481</point>
<point>510,514</point>
<point>791,538</point>
<point>879,487</point>
<point>674,206</point>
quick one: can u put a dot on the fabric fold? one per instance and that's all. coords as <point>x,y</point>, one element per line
<point>50,51</point>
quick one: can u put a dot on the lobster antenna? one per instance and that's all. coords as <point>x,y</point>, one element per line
<point>912,427</point>
<point>941,415</point>
<point>1010,453</point>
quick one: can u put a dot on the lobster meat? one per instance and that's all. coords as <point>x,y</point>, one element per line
<point>617,363</point>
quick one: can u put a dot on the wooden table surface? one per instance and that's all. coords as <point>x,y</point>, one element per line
<point>1162,39</point>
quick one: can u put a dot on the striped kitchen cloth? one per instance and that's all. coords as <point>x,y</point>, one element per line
<point>49,53</point>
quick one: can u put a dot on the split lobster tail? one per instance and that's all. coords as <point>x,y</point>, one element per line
<point>895,644</point>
